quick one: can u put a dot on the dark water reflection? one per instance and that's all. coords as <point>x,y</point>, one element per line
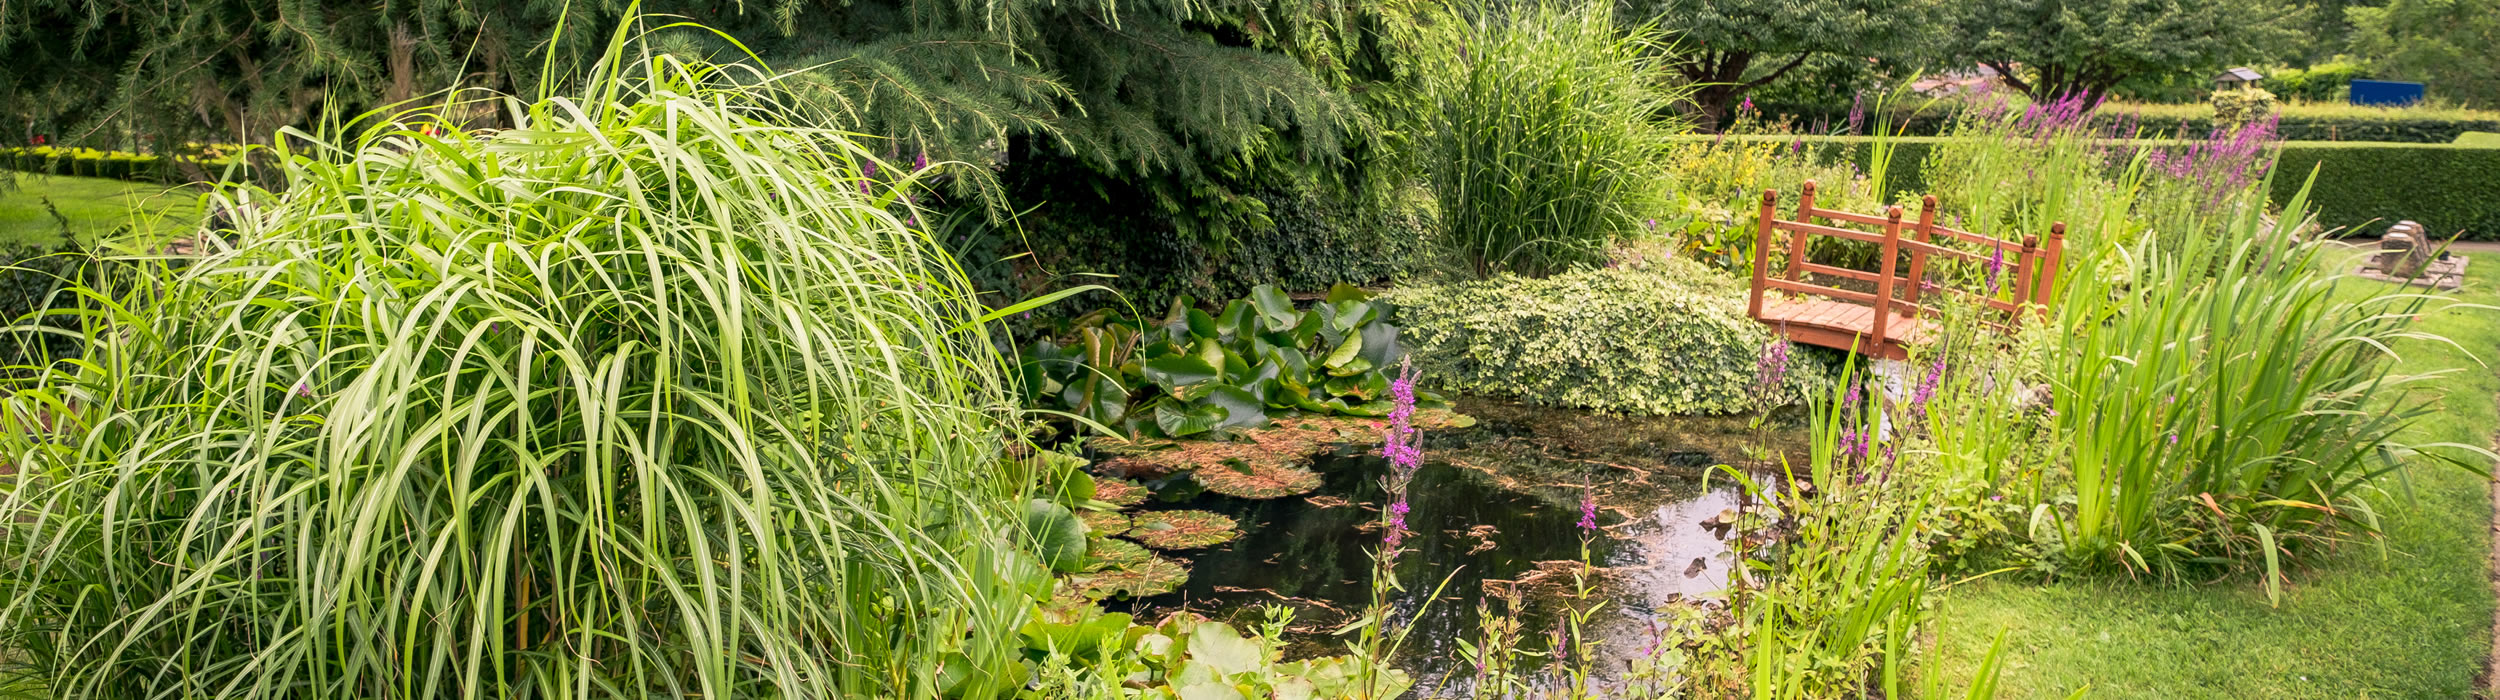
<point>1490,503</point>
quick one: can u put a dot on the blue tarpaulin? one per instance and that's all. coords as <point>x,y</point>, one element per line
<point>2385,93</point>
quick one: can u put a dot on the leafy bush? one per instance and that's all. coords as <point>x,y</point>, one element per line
<point>2324,82</point>
<point>1669,337</point>
<point>2243,106</point>
<point>1312,239</point>
<point>647,395</point>
<point>1191,372</point>
<point>1542,139</point>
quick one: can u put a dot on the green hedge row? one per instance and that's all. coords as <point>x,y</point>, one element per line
<point>2293,127</point>
<point>2361,186</point>
<point>118,165</point>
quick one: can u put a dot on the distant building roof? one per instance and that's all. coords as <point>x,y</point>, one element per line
<point>2239,75</point>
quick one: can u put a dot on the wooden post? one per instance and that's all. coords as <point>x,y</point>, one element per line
<point>1924,233</point>
<point>1883,280</point>
<point>1797,239</point>
<point>2023,265</point>
<point>1762,250</point>
<point>2048,267</point>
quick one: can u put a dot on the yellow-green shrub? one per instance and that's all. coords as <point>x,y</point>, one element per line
<point>1668,337</point>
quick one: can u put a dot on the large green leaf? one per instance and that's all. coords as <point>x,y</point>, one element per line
<point>1347,351</point>
<point>1242,410</point>
<point>1239,320</point>
<point>1347,292</point>
<point>1176,419</point>
<point>1201,324</point>
<point>1380,345</point>
<point>1224,651</point>
<point>1057,534</point>
<point>1174,372</point>
<point>1276,312</point>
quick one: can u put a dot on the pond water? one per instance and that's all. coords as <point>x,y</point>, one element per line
<point>1490,504</point>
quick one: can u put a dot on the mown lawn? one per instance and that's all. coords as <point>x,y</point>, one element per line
<point>2415,622</point>
<point>93,206</point>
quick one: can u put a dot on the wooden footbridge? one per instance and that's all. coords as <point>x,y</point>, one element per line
<point>1882,314</point>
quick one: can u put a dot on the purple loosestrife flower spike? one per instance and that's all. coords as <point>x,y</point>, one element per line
<point>1399,446</point>
<point>303,390</point>
<point>920,162</point>
<point>1588,512</point>
<point>1996,269</point>
<point>1927,385</point>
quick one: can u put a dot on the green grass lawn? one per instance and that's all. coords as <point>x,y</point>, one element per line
<point>93,206</point>
<point>2415,622</point>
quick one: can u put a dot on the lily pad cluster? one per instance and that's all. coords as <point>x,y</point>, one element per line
<point>1181,529</point>
<point>1187,657</point>
<point>1261,464</point>
<point>1192,372</point>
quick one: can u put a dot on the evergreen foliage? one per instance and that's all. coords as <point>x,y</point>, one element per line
<point>1732,48</point>
<point>2055,48</point>
<point>2445,43</point>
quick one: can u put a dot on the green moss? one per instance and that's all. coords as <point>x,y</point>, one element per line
<point>1669,337</point>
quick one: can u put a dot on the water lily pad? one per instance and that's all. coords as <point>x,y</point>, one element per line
<point>1103,523</point>
<point>1150,577</point>
<point>1118,492</point>
<point>1181,529</point>
<point>1286,441</point>
<point>1243,479</point>
<point>1112,553</point>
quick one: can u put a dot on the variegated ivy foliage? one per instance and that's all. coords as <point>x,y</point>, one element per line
<point>1192,372</point>
<point>1659,338</point>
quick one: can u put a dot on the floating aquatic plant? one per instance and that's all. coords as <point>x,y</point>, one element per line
<point>1109,553</point>
<point>1259,480</point>
<point>1118,492</point>
<point>1150,576</point>
<point>1181,529</point>
<point>1103,523</point>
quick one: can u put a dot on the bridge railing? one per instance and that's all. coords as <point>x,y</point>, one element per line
<point>1924,243</point>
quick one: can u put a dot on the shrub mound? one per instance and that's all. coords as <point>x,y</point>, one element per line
<point>1668,337</point>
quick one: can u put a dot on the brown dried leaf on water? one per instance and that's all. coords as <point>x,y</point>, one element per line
<point>1327,502</point>
<point>1181,529</point>
<point>1699,565</point>
<point>1118,492</point>
<point>1257,481</point>
<point>1103,523</point>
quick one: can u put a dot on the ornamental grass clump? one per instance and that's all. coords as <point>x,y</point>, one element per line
<point>641,396</point>
<point>1543,137</point>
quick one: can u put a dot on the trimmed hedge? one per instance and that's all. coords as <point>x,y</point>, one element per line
<point>118,165</point>
<point>2449,188</point>
<point>2392,126</point>
<point>1668,337</point>
<point>2361,186</point>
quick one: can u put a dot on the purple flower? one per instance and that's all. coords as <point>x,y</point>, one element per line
<point>1857,112</point>
<point>1746,106</point>
<point>1996,267</point>
<point>303,390</point>
<point>1588,512</point>
<point>1927,385</point>
<point>1770,367</point>
<point>1398,443</point>
<point>920,162</point>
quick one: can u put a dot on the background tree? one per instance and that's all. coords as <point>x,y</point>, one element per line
<point>2054,48</point>
<point>2453,45</point>
<point>1730,47</point>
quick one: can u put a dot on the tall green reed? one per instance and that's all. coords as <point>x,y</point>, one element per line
<point>2229,398</point>
<point>655,392</point>
<point>1545,140</point>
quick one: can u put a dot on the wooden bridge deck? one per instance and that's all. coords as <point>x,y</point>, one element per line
<point>1845,325</point>
<point>1887,320</point>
